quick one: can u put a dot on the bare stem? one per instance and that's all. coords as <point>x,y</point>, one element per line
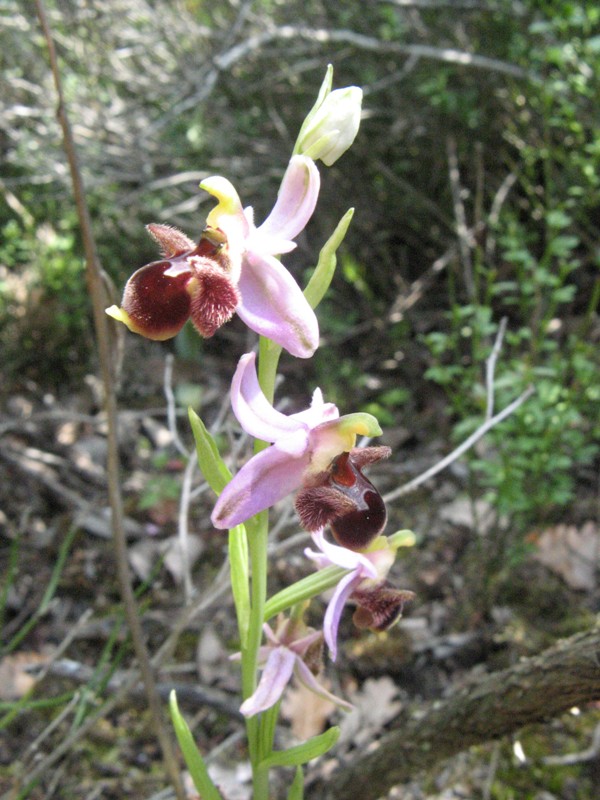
<point>490,368</point>
<point>97,294</point>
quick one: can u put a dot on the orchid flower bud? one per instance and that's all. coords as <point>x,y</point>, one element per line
<point>332,124</point>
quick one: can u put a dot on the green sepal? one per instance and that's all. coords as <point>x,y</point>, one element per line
<point>323,92</point>
<point>212,466</point>
<point>358,424</point>
<point>403,538</point>
<point>296,791</point>
<point>304,589</point>
<point>240,585</point>
<point>324,271</point>
<point>302,753</point>
<point>192,756</point>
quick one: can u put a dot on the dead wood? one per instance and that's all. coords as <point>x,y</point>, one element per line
<point>534,690</point>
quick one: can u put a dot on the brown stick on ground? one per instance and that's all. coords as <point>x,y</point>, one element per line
<point>536,689</point>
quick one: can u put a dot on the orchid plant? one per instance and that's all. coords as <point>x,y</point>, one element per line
<point>317,454</point>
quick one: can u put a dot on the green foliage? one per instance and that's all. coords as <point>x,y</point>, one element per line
<point>542,274</point>
<point>44,325</point>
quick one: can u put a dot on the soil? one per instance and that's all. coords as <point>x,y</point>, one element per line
<point>479,605</point>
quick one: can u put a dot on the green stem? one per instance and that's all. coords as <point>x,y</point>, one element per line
<point>268,360</point>
<point>258,534</point>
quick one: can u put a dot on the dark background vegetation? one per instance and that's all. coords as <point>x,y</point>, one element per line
<point>477,193</point>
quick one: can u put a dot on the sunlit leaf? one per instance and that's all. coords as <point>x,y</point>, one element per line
<point>302,753</point>
<point>192,756</point>
<point>212,466</point>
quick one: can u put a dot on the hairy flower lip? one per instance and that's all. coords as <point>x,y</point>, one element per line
<point>343,498</point>
<point>367,573</point>
<point>258,288</point>
<point>303,444</point>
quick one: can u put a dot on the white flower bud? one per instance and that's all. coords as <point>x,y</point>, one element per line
<point>331,127</point>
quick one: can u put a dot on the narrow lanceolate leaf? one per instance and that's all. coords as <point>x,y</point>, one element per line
<point>212,466</point>
<point>323,274</point>
<point>296,791</point>
<point>302,753</point>
<point>304,589</point>
<point>238,567</point>
<point>192,756</point>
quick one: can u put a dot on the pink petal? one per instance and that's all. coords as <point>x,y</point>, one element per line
<point>336,605</point>
<point>267,478</point>
<point>274,306</point>
<point>252,409</point>
<point>296,201</point>
<point>306,677</point>
<point>319,411</point>
<point>341,556</point>
<point>276,675</point>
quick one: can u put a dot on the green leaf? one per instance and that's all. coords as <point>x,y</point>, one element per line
<point>296,791</point>
<point>303,589</point>
<point>323,274</point>
<point>191,754</point>
<point>212,466</point>
<point>239,571</point>
<point>302,753</point>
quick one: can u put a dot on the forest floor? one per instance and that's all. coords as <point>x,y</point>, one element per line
<point>480,605</point>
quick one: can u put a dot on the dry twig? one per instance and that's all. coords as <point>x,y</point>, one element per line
<point>98,297</point>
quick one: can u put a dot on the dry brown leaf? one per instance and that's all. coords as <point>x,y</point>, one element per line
<point>144,554</point>
<point>572,553</point>
<point>15,681</point>
<point>307,711</point>
<point>374,706</point>
<point>234,781</point>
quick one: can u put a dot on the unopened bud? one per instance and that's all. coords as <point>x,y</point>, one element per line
<point>331,126</point>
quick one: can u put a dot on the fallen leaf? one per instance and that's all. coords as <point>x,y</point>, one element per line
<point>15,680</point>
<point>572,553</point>
<point>144,554</point>
<point>307,712</point>
<point>374,705</point>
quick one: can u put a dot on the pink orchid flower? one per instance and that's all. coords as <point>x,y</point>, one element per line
<point>304,446</point>
<point>233,268</point>
<point>292,650</point>
<point>379,605</point>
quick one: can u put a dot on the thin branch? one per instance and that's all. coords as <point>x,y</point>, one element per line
<point>490,368</point>
<point>171,406</point>
<point>461,449</point>
<point>97,293</point>
<point>201,696</point>
<point>489,423</point>
<point>183,529</point>
<point>323,36</point>
<point>453,5</point>
<point>568,759</point>
<point>497,203</point>
<point>33,747</point>
<point>465,239</point>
